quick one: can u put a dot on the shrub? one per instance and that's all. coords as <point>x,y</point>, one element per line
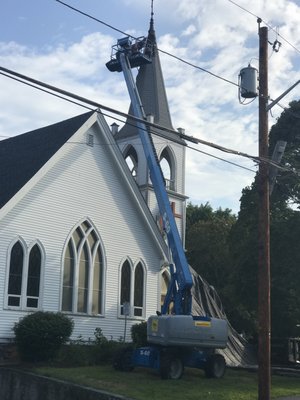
<point>100,339</point>
<point>40,335</point>
<point>105,349</point>
<point>139,334</point>
<point>93,352</point>
<point>75,355</point>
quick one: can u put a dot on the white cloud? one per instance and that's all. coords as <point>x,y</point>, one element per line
<point>215,35</point>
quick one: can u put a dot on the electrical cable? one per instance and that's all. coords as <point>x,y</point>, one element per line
<point>266,23</point>
<point>109,116</point>
<point>293,114</point>
<point>101,106</point>
<point>35,83</point>
<point>94,18</point>
<point>221,159</point>
<point>170,54</point>
<point>160,50</point>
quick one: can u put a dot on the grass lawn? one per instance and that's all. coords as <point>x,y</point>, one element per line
<point>144,384</point>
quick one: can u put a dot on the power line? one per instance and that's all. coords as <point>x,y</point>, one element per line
<point>46,91</point>
<point>49,89</point>
<point>197,67</point>
<point>160,50</point>
<point>166,52</point>
<point>109,116</point>
<point>266,23</point>
<point>116,119</point>
<point>94,18</point>
<point>221,159</point>
<point>170,54</point>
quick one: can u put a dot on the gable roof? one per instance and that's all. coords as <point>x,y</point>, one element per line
<point>151,88</point>
<point>22,156</point>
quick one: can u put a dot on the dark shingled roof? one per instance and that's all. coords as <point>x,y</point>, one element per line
<point>151,87</point>
<point>22,156</point>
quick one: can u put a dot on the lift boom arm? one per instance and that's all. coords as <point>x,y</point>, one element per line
<point>179,290</point>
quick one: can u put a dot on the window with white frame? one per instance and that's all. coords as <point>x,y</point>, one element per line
<point>132,289</point>
<point>24,279</point>
<point>83,277</point>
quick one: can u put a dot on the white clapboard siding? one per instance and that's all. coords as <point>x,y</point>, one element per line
<point>83,182</point>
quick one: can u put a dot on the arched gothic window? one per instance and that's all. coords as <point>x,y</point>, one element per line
<point>24,276</point>
<point>132,289</point>
<point>138,290</point>
<point>15,275</point>
<point>131,159</point>
<point>168,168</point>
<point>33,278</point>
<point>83,278</point>
<point>125,285</point>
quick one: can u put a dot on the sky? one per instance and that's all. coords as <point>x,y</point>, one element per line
<point>49,42</point>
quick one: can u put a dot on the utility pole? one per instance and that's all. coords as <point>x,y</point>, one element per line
<point>264,319</point>
<point>266,180</point>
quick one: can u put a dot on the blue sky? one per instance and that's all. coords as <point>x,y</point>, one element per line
<point>47,41</point>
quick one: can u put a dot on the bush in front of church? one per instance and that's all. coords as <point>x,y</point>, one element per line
<point>40,335</point>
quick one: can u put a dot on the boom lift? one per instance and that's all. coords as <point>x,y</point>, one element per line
<point>179,339</point>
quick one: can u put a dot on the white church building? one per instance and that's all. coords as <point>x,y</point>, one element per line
<point>79,223</point>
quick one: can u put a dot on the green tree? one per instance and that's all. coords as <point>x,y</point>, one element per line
<point>284,242</point>
<point>287,128</point>
<point>207,244</point>
<point>243,244</point>
<point>285,273</point>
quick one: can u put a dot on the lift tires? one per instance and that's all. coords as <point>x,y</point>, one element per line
<point>171,367</point>
<point>123,360</point>
<point>215,366</point>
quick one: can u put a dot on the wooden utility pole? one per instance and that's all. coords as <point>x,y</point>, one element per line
<point>264,319</point>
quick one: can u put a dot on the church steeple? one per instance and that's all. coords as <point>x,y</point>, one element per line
<point>151,87</point>
<point>169,146</point>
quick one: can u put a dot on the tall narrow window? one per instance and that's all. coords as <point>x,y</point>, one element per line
<point>125,285</point>
<point>83,280</point>
<point>15,275</point>
<point>68,279</point>
<point>132,289</point>
<point>168,168</point>
<point>97,284</point>
<point>131,159</point>
<point>24,279</point>
<point>83,272</point>
<point>33,279</point>
<point>138,290</point>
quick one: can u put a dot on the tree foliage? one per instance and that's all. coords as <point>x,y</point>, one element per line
<point>284,242</point>
<point>40,335</point>
<point>207,244</point>
<point>224,248</point>
<point>287,128</point>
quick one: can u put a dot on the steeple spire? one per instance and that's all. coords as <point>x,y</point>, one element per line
<point>151,87</point>
<point>152,13</point>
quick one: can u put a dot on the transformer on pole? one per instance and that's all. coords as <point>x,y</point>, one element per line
<point>248,82</point>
